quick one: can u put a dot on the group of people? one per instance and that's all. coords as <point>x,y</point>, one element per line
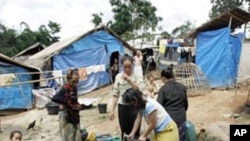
<point>166,116</point>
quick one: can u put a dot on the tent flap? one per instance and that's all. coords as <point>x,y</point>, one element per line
<point>86,58</point>
<point>16,96</point>
<point>244,67</point>
<point>218,56</point>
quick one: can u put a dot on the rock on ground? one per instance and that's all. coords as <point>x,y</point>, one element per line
<point>219,130</point>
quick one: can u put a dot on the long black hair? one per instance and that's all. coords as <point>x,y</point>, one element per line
<point>135,96</point>
<point>71,72</point>
<point>168,73</point>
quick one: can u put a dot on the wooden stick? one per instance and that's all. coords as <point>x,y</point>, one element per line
<point>235,94</point>
<point>33,81</point>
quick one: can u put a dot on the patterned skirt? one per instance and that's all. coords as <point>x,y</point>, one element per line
<point>182,131</point>
<point>67,130</point>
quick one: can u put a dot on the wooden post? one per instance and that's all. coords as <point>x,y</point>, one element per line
<point>230,22</point>
<point>1,130</point>
<point>245,28</point>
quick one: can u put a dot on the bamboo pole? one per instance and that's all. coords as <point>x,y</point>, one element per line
<point>1,130</point>
<point>35,72</point>
<point>33,81</point>
<point>245,28</point>
<point>230,22</point>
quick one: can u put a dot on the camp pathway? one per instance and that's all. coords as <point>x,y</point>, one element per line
<point>203,110</point>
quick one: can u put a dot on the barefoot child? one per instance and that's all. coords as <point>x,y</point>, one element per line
<point>151,87</point>
<point>16,135</point>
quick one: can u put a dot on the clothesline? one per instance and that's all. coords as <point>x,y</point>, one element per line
<point>42,72</point>
<point>33,81</point>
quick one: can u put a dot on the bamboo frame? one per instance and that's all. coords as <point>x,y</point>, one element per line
<point>231,14</point>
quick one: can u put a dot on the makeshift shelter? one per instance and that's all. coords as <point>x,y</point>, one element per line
<point>85,51</point>
<point>14,92</point>
<point>26,53</point>
<point>218,52</point>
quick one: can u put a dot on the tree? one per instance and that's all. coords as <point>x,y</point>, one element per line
<point>165,34</point>
<point>12,42</point>
<point>182,30</point>
<point>134,18</point>
<point>221,6</point>
<point>97,19</point>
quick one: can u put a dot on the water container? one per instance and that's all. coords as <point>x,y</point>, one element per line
<point>84,134</point>
<point>102,107</point>
<point>190,132</point>
<point>117,139</point>
<point>105,137</point>
<point>52,108</point>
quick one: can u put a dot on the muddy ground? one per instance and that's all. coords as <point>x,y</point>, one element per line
<point>203,110</point>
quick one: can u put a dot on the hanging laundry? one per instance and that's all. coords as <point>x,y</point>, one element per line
<point>162,47</point>
<point>52,82</point>
<point>7,78</point>
<point>82,73</point>
<point>100,68</point>
<point>58,73</point>
<point>95,69</point>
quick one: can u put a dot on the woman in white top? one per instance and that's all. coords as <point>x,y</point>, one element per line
<point>123,81</point>
<point>138,58</point>
<point>155,115</point>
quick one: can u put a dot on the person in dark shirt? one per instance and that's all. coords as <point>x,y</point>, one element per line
<point>69,117</point>
<point>173,97</point>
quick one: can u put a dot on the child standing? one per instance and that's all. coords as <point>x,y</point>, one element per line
<point>151,86</point>
<point>16,135</point>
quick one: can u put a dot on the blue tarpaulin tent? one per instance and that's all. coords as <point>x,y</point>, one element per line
<point>16,96</point>
<point>92,48</point>
<point>218,55</point>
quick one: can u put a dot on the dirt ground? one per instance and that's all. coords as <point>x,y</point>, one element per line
<point>203,110</point>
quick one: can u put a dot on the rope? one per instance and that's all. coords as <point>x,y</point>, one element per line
<point>33,81</point>
<point>42,72</point>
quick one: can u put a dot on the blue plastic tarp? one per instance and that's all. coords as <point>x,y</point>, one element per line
<point>96,39</point>
<point>218,56</point>
<point>81,59</point>
<point>16,96</point>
